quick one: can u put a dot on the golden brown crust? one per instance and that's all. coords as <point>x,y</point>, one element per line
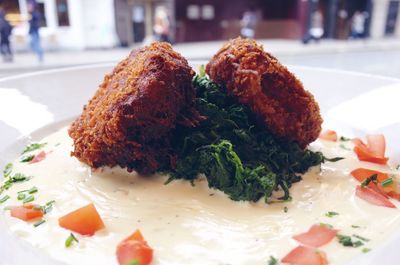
<point>129,119</point>
<point>274,94</point>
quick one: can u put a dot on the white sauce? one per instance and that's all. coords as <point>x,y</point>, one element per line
<point>194,225</point>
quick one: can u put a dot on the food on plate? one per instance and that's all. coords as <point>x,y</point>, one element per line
<point>274,94</point>
<point>130,118</point>
<point>158,121</point>
<point>228,188</point>
<point>134,249</point>
<point>85,220</point>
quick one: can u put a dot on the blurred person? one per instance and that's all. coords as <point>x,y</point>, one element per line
<point>316,30</point>
<point>248,24</point>
<point>358,25</point>
<point>161,24</point>
<point>34,25</point>
<point>5,32</point>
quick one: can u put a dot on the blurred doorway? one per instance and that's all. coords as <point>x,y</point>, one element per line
<point>391,19</point>
<point>138,23</point>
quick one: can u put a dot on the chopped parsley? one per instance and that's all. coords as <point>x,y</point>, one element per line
<point>355,226</point>
<point>361,238</point>
<point>10,180</point>
<point>285,209</point>
<point>29,198</point>
<point>21,196</point>
<point>7,170</point>
<point>26,158</point>
<point>70,240</point>
<point>38,223</point>
<point>331,214</point>
<point>33,147</point>
<point>347,241</point>
<point>373,178</point>
<point>344,139</point>
<point>4,199</point>
<point>272,260</point>
<point>365,250</point>
<point>48,207</point>
<point>387,182</point>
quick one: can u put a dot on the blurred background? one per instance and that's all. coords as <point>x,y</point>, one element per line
<point>355,35</point>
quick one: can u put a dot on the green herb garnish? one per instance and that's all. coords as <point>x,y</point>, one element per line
<point>387,182</point>
<point>7,170</point>
<point>331,214</point>
<point>348,242</point>
<point>33,190</point>
<point>39,223</point>
<point>4,199</point>
<point>30,198</point>
<point>344,139</point>
<point>70,240</point>
<point>334,159</point>
<point>272,261</point>
<point>285,209</point>
<point>361,238</point>
<point>235,153</point>
<point>48,207</point>
<point>26,158</point>
<point>355,226</point>
<point>33,147</point>
<point>373,178</point>
<point>365,250</point>
<point>17,177</point>
<point>21,196</point>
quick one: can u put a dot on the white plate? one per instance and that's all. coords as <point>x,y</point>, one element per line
<point>34,105</point>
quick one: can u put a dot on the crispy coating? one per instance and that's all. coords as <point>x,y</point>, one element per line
<point>129,120</point>
<point>274,94</point>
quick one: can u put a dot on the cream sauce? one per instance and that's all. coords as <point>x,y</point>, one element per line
<point>187,224</point>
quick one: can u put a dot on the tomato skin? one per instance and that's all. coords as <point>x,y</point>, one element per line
<point>85,220</point>
<point>328,135</point>
<point>316,236</point>
<point>134,250</point>
<point>303,255</point>
<point>377,144</point>
<point>374,151</point>
<point>26,212</point>
<point>373,197</point>
<point>39,157</point>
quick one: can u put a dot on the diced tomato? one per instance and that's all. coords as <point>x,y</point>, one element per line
<point>26,212</point>
<point>134,248</point>
<point>373,152</point>
<point>362,174</point>
<point>316,236</point>
<point>373,197</point>
<point>303,255</point>
<point>39,157</point>
<point>394,195</point>
<point>85,220</point>
<point>328,135</point>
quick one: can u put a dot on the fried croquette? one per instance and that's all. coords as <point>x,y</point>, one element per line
<point>129,120</point>
<point>273,93</point>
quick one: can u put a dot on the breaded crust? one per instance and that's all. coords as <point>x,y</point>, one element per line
<point>274,94</point>
<point>130,117</point>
